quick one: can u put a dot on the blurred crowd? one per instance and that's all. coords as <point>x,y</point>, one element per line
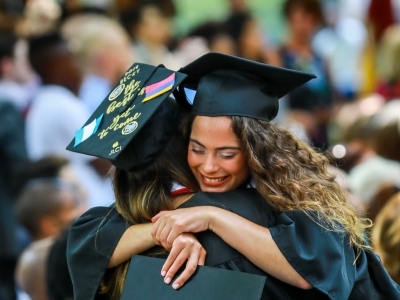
<point>59,59</point>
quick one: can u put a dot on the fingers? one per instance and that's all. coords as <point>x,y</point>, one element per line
<point>165,231</point>
<point>190,268</point>
<point>202,258</point>
<point>162,234</point>
<point>174,267</point>
<point>186,249</point>
<point>170,260</point>
<point>160,231</point>
<point>170,234</point>
<point>154,231</point>
<point>157,216</point>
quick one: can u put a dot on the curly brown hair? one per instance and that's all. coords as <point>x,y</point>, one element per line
<point>290,175</point>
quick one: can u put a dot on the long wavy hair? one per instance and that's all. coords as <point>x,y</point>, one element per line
<point>141,194</point>
<point>291,175</point>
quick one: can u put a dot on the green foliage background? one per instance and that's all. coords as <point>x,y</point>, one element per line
<point>267,12</point>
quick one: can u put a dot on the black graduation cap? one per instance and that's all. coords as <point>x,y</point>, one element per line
<point>224,85</point>
<point>144,282</point>
<point>135,121</point>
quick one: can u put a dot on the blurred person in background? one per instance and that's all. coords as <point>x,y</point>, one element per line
<point>39,17</point>
<point>388,63</point>
<point>208,36</point>
<point>17,80</point>
<point>344,40</point>
<point>238,6</point>
<point>56,112</point>
<point>381,197</point>
<point>151,32</point>
<point>315,99</point>
<point>13,156</point>
<point>10,12</point>
<point>103,49</point>
<point>47,194</point>
<point>167,6</point>
<point>51,166</point>
<point>216,36</point>
<point>386,129</point>
<point>245,31</point>
<point>46,207</point>
<point>367,169</point>
<point>73,7</point>
<point>386,236</point>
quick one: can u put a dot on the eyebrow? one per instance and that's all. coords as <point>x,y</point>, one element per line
<point>219,148</point>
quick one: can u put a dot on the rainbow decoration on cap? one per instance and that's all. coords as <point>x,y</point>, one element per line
<point>159,88</point>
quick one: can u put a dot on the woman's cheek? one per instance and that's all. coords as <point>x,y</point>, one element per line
<point>191,159</point>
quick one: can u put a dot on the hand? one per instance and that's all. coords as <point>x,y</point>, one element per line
<point>184,248</point>
<point>169,224</point>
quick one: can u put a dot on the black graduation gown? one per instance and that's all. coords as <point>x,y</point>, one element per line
<point>91,242</point>
<point>250,205</point>
<point>323,258</point>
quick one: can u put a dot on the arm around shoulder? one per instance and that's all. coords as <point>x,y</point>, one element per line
<point>256,243</point>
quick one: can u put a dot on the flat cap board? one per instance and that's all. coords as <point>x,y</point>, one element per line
<point>144,281</point>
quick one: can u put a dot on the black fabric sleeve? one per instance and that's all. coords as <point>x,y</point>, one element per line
<point>91,242</point>
<point>372,280</point>
<point>323,258</point>
<point>328,262</point>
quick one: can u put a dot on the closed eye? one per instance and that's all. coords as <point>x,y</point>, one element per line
<point>227,155</point>
<point>197,150</point>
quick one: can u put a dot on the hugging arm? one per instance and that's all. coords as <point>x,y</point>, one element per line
<point>185,249</point>
<point>102,239</point>
<point>136,239</point>
<point>253,241</point>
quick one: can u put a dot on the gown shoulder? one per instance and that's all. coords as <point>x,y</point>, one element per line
<point>91,242</point>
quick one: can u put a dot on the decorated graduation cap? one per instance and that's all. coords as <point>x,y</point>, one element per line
<point>224,85</point>
<point>135,121</point>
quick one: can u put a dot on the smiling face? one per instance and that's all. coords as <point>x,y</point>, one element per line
<point>215,155</point>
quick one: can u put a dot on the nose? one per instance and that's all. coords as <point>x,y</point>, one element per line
<point>210,164</point>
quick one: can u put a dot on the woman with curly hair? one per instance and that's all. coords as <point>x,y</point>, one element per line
<point>106,238</point>
<point>317,242</point>
<point>268,204</point>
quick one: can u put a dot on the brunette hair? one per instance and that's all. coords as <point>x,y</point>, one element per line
<point>291,175</point>
<point>141,194</point>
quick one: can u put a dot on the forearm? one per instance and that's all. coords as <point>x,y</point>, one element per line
<point>256,243</point>
<point>135,240</point>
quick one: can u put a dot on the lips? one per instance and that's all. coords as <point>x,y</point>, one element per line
<point>213,181</point>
